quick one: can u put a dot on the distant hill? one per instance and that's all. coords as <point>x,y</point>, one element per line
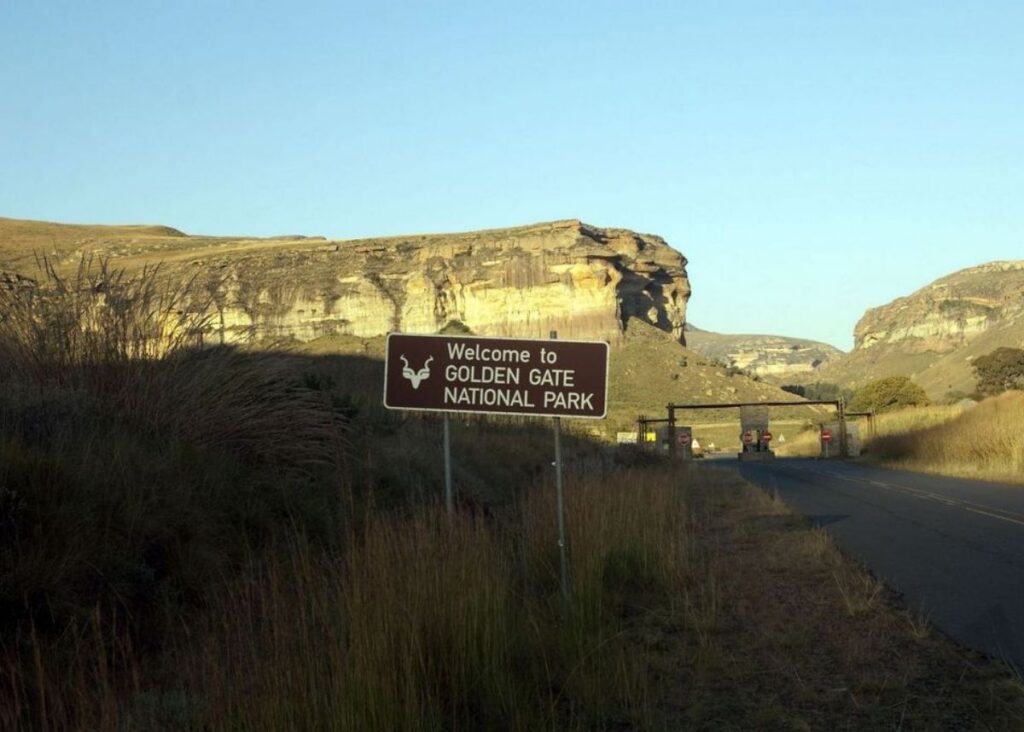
<point>933,334</point>
<point>776,358</point>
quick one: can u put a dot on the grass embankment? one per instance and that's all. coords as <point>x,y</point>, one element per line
<point>220,540</point>
<point>805,442</point>
<point>421,622</point>
<point>697,602</point>
<point>985,441</point>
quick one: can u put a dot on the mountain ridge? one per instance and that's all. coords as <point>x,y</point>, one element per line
<point>934,333</point>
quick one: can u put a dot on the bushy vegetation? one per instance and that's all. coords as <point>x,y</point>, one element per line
<point>999,371</point>
<point>884,395</point>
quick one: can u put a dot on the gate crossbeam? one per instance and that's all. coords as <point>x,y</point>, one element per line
<point>808,403</point>
<point>839,404</point>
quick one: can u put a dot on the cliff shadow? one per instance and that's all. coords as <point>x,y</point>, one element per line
<point>643,297</point>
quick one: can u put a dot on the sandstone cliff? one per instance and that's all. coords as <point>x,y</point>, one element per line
<point>947,314</point>
<point>777,358</point>
<point>581,280</point>
<point>933,334</point>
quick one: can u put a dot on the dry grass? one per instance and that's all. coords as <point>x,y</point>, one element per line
<point>69,328</point>
<point>804,638</point>
<point>985,441</point>
<point>423,622</point>
<point>163,565</point>
<point>804,443</point>
<point>128,345</point>
<point>914,418</point>
<point>698,602</point>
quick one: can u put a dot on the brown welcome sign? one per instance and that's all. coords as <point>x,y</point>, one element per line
<point>444,373</point>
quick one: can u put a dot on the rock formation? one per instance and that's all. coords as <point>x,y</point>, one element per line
<point>583,281</point>
<point>933,334</point>
<point>948,313</point>
<point>777,358</point>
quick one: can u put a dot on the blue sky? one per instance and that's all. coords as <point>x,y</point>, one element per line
<point>811,159</point>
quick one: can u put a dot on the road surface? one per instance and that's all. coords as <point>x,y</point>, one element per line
<point>953,547</point>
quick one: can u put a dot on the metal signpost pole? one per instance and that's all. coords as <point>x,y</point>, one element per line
<point>515,376</point>
<point>672,432</point>
<point>449,493</point>
<point>563,556</point>
<point>563,552</point>
<point>843,451</point>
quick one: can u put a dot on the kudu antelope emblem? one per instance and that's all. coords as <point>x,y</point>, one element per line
<point>415,377</point>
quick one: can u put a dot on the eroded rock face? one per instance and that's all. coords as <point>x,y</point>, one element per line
<point>767,356</point>
<point>582,281</point>
<point>949,313</point>
<point>934,334</point>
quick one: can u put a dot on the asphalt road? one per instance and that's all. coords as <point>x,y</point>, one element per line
<point>953,547</point>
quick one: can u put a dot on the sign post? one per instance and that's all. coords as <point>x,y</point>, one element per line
<point>826,439</point>
<point>671,432</point>
<point>563,555</point>
<point>528,377</point>
<point>449,493</point>
<point>509,376</point>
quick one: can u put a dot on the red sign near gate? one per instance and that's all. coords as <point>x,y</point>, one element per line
<point>826,435</point>
<point>747,438</point>
<point>766,436</point>
<point>444,373</point>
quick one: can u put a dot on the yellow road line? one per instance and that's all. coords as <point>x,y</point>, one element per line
<point>978,508</point>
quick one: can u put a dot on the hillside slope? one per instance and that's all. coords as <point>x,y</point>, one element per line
<point>933,334</point>
<point>777,358</point>
<point>649,370</point>
<point>330,297</point>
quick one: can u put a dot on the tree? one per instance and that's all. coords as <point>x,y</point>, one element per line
<point>892,392</point>
<point>999,371</point>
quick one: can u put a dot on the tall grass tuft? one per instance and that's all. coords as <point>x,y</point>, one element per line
<point>67,329</point>
<point>136,469</point>
<point>129,345</point>
<point>432,621</point>
<point>914,418</point>
<point>985,441</point>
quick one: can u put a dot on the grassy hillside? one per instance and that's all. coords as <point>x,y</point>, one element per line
<point>132,246</point>
<point>938,373</point>
<point>933,334</point>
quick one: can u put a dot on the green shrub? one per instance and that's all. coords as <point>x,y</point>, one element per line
<point>892,392</point>
<point>999,371</point>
